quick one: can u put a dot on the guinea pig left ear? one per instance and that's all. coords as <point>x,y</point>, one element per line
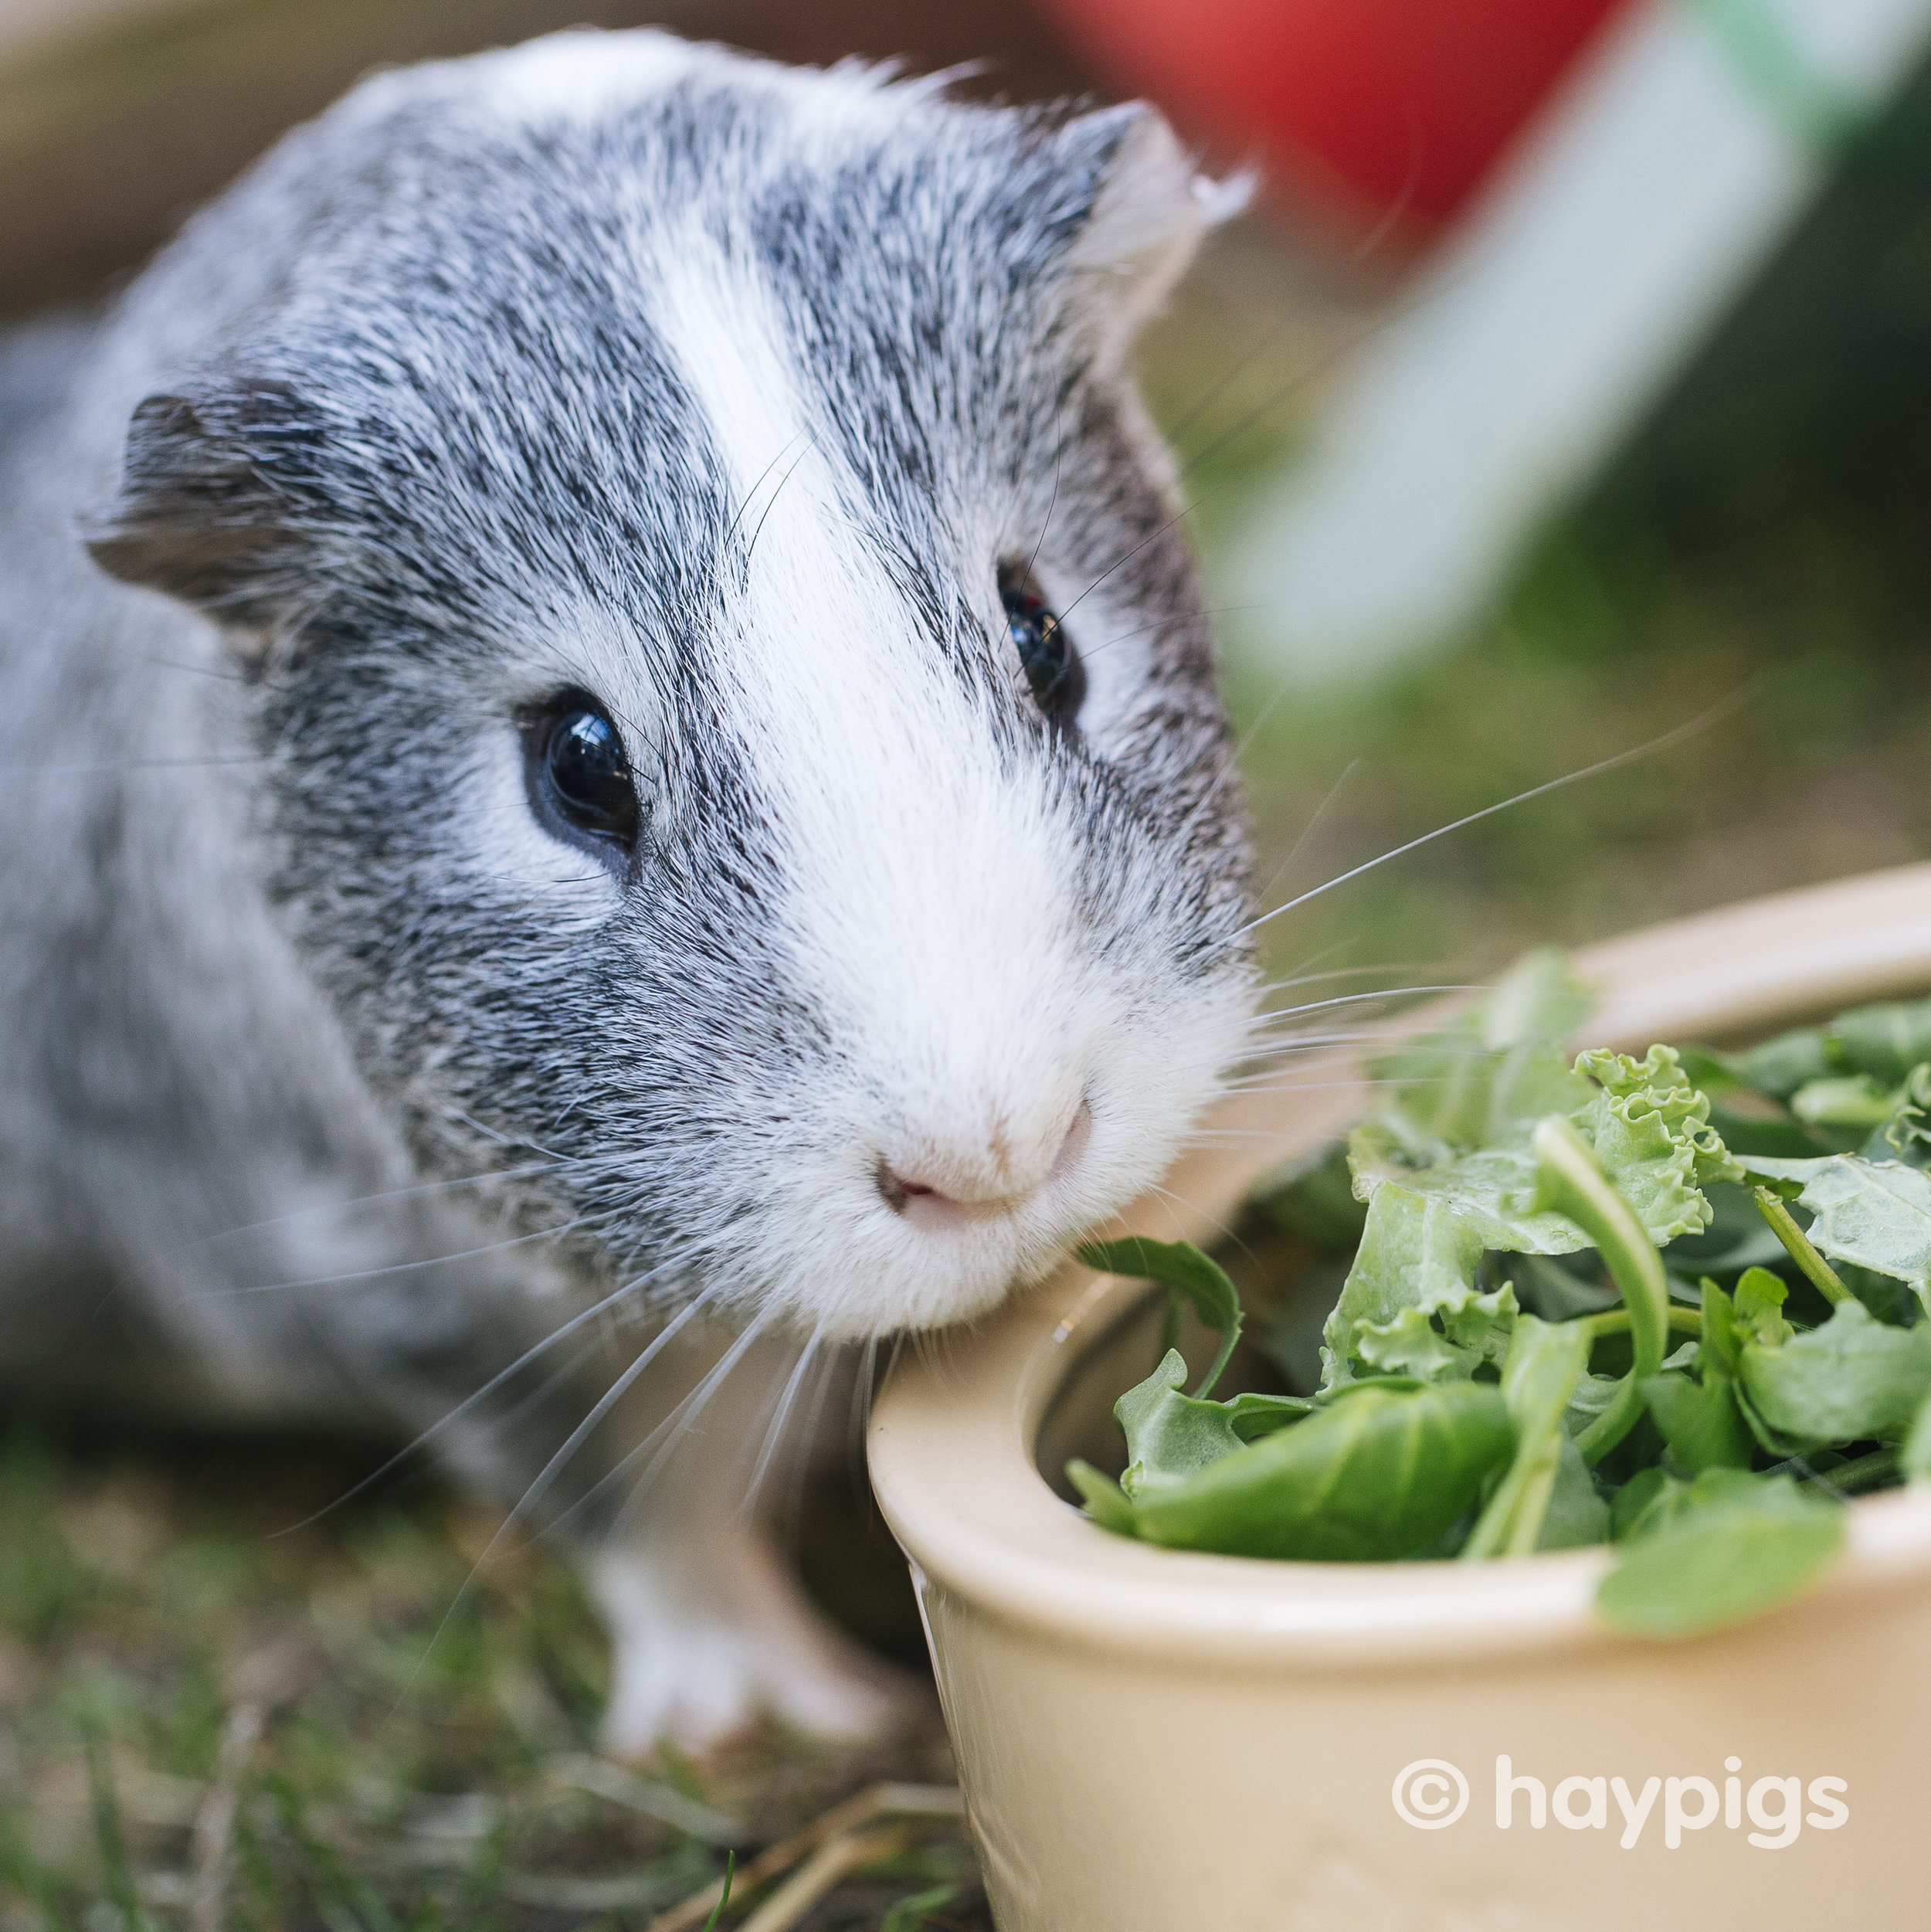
<point>1150,207</point>
<point>210,507</point>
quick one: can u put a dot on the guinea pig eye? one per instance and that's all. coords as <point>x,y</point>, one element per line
<point>1046,654</point>
<point>580,774</point>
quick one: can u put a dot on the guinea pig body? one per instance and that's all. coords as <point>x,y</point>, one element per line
<point>616,786</point>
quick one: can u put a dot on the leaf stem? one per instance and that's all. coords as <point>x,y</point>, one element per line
<point>1797,1245</point>
<point>1847,1478</point>
<point>1613,1321</point>
<point>1569,1178</point>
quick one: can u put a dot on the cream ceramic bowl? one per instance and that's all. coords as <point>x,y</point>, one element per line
<point>1155,1741</point>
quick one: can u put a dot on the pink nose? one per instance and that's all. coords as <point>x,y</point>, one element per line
<point>941,1186</point>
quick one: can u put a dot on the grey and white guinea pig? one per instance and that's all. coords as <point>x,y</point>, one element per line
<point>709,790</point>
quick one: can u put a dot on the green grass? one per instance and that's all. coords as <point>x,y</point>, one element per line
<point>420,1759</point>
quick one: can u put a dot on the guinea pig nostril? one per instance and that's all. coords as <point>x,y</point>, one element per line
<point>898,1191</point>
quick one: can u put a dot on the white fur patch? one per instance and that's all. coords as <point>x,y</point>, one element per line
<point>930,915</point>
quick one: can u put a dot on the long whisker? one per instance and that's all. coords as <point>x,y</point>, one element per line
<point>489,1388</point>
<point>547,1475</point>
<point>1702,722</point>
<point>417,1192</point>
<point>781,1414</point>
<point>390,1268</point>
<point>671,1430</point>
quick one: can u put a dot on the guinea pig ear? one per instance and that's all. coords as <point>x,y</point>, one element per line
<point>210,508</point>
<point>1149,206</point>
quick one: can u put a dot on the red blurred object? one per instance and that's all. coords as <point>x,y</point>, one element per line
<point>1382,108</point>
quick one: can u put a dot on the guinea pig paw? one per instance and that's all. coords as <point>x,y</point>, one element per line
<point>696,1667</point>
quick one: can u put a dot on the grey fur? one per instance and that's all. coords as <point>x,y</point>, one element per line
<point>397,404</point>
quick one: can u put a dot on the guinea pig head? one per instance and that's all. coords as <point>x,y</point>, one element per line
<point>740,739</point>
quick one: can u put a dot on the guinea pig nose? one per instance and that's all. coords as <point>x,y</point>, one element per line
<point>942,1183</point>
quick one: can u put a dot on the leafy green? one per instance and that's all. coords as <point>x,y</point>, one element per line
<point>1699,1420</point>
<point>1610,1299</point>
<point>1545,1361</point>
<point>1884,1041</point>
<point>1855,1377</point>
<point>1728,1547</point>
<point>1378,1473</point>
<point>1876,1213</point>
<point>1568,1177</point>
<point>1192,1276</point>
<point>1437,1201</point>
<point>1170,1435</point>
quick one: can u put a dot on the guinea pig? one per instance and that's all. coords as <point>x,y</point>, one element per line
<point>616,786</point>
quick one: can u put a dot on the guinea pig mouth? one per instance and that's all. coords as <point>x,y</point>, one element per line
<point>938,1195</point>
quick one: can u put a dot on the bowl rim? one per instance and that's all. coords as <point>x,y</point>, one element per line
<point>953,1433</point>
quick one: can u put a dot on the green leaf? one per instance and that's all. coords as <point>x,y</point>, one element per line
<point>1760,1296</point>
<point>1885,1040</point>
<point>1106,1502</point>
<point>1875,1213</point>
<point>1779,1067</point>
<point>1169,1435</point>
<point>1853,1378</point>
<point>1699,1420</point>
<point>1651,1134</point>
<point>1651,1488</point>
<point>1907,1135</point>
<point>1411,1345</point>
<point>1377,1474</point>
<point>1734,1546</point>
<point>1577,1515</point>
<point>1417,1253</point>
<point>1182,1268</point>
<point>1916,1462</point>
<point>1545,1361</point>
<point>1493,1072</point>
<point>1570,1179</point>
<point>1255,1415</point>
<point>1844,1100</point>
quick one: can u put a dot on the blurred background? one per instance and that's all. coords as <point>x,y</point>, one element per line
<point>1565,391</point>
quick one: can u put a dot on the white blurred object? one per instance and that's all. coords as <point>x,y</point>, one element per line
<point>1640,210</point>
<point>27,26</point>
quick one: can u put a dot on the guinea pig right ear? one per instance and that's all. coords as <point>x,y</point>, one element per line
<point>211,508</point>
<point>1147,207</point>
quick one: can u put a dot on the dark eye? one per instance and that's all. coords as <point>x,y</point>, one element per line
<point>1046,654</point>
<point>580,774</point>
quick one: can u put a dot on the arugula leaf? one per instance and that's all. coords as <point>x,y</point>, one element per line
<point>1254,1415</point>
<point>1699,1420</point>
<point>1759,1307</point>
<point>1182,1268</point>
<point>1546,1361</point>
<point>1577,1514</point>
<point>1169,1435</point>
<point>1653,1489</point>
<point>1730,1547</point>
<point>1853,1378</point>
<point>1379,1472</point>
